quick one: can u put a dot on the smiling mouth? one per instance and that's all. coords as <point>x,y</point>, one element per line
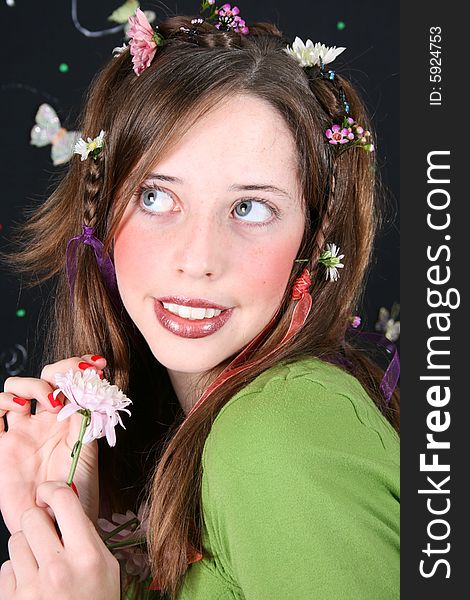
<point>189,321</point>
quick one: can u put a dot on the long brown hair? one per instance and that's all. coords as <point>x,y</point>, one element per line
<point>143,118</point>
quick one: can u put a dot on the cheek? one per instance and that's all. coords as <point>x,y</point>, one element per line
<point>267,273</point>
<point>132,257</point>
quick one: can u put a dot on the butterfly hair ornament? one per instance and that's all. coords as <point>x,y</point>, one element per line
<point>48,130</point>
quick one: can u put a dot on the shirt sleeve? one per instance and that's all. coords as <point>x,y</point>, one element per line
<point>300,495</point>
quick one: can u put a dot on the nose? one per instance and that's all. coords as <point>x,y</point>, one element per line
<point>199,251</point>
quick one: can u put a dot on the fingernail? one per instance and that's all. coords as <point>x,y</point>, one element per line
<point>101,375</point>
<point>96,357</point>
<point>54,401</point>
<point>20,401</point>
<point>85,365</point>
<point>74,488</point>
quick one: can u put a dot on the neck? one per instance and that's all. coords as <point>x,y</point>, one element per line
<point>188,388</point>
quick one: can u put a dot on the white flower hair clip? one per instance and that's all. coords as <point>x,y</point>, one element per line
<point>331,259</point>
<point>310,54</point>
<point>92,147</point>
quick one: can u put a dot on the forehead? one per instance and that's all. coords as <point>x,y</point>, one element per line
<point>244,136</point>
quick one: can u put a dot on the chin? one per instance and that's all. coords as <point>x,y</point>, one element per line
<point>196,361</point>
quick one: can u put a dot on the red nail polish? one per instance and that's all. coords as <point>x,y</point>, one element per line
<point>96,357</point>
<point>54,401</point>
<point>20,401</point>
<point>74,488</point>
<point>84,365</point>
<point>101,375</point>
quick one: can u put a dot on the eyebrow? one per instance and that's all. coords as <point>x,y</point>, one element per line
<point>233,188</point>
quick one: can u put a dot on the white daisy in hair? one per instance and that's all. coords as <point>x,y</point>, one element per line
<point>91,146</point>
<point>331,259</point>
<point>310,54</point>
<point>326,54</point>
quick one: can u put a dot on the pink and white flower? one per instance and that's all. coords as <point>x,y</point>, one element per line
<point>90,395</point>
<point>143,43</point>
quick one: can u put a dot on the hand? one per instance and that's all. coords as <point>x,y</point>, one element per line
<point>44,565</point>
<point>37,448</point>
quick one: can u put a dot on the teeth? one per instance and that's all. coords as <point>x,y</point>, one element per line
<point>188,312</point>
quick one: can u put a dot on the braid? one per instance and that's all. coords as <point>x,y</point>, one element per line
<point>93,180</point>
<point>324,222</point>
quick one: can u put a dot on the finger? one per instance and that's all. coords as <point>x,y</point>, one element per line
<point>76,528</point>
<point>49,372</point>
<point>41,535</point>
<point>7,580</point>
<point>22,559</point>
<point>30,387</point>
<point>96,360</point>
<point>12,403</point>
<point>9,403</point>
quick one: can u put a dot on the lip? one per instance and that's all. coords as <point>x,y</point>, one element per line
<point>188,328</point>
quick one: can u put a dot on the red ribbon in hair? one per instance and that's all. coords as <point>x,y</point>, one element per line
<point>301,285</point>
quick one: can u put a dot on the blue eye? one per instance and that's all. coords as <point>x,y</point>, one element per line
<point>254,210</point>
<point>156,200</point>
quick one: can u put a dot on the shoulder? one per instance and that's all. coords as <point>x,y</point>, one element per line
<point>308,404</point>
<point>300,463</point>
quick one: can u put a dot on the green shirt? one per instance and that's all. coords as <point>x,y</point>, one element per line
<point>300,493</point>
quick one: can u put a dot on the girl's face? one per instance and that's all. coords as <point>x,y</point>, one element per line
<point>205,248</point>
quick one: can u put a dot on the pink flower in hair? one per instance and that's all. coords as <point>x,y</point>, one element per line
<point>144,41</point>
<point>229,19</point>
<point>355,321</point>
<point>339,135</point>
<point>227,11</point>
<point>239,26</point>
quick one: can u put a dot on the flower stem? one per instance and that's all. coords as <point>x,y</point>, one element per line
<point>78,445</point>
<point>126,544</point>
<point>112,533</point>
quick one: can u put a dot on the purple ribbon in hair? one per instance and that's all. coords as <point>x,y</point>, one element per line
<point>392,372</point>
<point>103,260</point>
